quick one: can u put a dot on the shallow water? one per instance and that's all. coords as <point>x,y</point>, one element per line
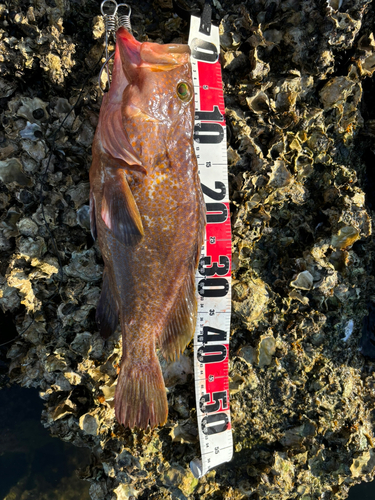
<point>33,465</point>
<point>363,491</point>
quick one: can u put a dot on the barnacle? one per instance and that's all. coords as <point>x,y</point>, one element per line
<point>300,115</point>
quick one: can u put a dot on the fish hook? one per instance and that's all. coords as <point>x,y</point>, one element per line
<point>124,19</point>
<point>108,9</point>
<point>114,17</point>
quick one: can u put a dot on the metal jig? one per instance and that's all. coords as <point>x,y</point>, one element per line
<point>114,17</point>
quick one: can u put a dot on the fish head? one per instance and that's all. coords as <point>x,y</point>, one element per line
<point>160,87</point>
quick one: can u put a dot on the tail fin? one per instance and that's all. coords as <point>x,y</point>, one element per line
<point>141,398</point>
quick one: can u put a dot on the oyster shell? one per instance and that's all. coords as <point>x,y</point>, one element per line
<point>298,83</point>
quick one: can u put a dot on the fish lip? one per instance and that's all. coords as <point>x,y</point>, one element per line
<point>152,55</point>
<point>159,56</point>
<point>127,37</point>
<point>129,46</point>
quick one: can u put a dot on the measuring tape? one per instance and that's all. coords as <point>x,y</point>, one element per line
<point>213,278</point>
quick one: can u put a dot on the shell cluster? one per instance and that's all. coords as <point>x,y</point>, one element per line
<point>298,87</point>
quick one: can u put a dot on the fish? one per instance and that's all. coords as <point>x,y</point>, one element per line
<point>147,214</point>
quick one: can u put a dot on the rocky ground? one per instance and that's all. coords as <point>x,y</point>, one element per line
<point>299,93</point>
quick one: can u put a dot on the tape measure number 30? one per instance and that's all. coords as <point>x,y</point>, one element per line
<point>211,340</point>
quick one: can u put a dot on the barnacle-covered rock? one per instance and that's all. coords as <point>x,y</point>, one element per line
<point>300,115</point>
<point>11,172</point>
<point>250,300</point>
<point>89,424</point>
<point>304,281</point>
<point>33,110</point>
<point>83,265</point>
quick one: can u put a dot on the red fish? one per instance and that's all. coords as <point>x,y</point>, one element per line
<point>147,212</point>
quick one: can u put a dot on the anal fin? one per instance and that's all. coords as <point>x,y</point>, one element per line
<point>180,325</point>
<point>119,208</point>
<point>106,310</point>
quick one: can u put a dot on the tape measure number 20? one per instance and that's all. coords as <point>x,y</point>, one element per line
<point>211,340</point>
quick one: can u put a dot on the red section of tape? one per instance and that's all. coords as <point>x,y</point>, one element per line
<point>218,241</point>
<point>210,87</point>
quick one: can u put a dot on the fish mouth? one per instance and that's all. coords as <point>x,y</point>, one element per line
<point>150,55</point>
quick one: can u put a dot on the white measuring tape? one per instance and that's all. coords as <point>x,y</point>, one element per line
<point>213,278</point>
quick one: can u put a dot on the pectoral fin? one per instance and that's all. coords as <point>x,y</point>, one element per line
<point>119,209</point>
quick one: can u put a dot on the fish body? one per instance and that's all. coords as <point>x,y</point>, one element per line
<point>147,213</point>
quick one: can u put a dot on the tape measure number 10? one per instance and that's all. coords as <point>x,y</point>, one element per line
<point>211,340</point>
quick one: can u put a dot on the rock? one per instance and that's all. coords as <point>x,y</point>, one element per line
<point>176,476</point>
<point>346,236</point>
<point>11,172</point>
<point>266,350</point>
<point>304,281</point>
<point>89,424</point>
<point>298,81</point>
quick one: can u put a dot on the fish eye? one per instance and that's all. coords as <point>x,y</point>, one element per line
<point>184,91</point>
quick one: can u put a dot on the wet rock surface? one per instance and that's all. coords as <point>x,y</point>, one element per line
<point>33,464</point>
<point>299,91</point>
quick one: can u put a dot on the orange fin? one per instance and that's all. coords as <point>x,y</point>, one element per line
<point>181,322</point>
<point>141,398</point>
<point>119,209</point>
<point>106,310</point>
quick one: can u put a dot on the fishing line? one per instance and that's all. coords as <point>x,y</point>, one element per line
<point>52,140</point>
